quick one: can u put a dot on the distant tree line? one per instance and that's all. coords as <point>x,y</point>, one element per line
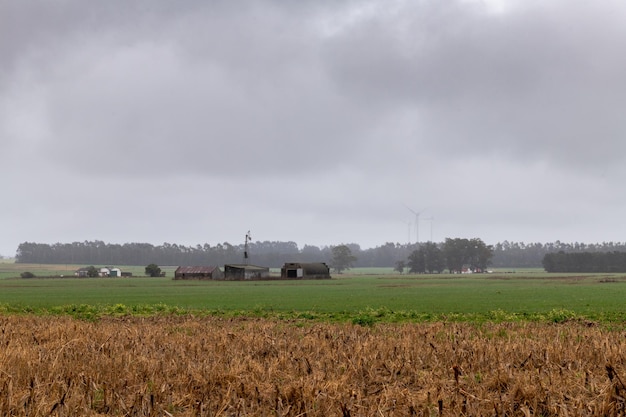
<point>274,254</point>
<point>585,262</point>
<point>268,253</point>
<point>531,255</point>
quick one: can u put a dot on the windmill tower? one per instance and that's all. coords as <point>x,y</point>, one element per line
<point>417,223</point>
<point>246,252</point>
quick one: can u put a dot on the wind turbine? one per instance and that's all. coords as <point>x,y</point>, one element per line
<point>417,223</point>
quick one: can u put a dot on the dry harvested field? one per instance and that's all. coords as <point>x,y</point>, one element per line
<point>186,366</point>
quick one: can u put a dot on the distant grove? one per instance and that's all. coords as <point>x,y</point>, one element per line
<point>274,254</point>
<point>585,262</point>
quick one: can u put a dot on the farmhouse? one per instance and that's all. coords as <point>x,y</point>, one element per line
<point>198,272</point>
<point>297,270</point>
<point>105,271</point>
<point>244,272</point>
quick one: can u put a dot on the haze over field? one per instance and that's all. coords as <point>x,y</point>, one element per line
<point>317,122</point>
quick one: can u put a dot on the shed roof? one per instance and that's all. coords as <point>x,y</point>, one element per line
<point>247,267</point>
<point>195,269</point>
<point>309,267</point>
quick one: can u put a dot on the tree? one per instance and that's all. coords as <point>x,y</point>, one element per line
<point>472,253</point>
<point>428,258</point>
<point>417,263</point>
<point>92,271</point>
<point>153,270</point>
<point>455,252</point>
<point>480,255</point>
<point>400,265</point>
<point>342,258</point>
<point>433,258</point>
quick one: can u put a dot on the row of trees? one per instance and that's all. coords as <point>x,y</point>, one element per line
<point>585,262</point>
<point>267,253</point>
<point>97,252</point>
<point>530,255</point>
<point>274,254</point>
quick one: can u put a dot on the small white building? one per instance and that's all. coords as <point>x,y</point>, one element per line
<point>109,271</point>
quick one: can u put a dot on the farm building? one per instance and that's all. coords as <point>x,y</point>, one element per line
<point>109,271</point>
<point>297,270</point>
<point>198,272</point>
<point>82,272</point>
<point>105,271</point>
<point>243,272</point>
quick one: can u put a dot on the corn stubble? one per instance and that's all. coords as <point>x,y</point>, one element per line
<point>186,366</point>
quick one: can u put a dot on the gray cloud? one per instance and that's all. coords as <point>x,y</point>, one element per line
<point>527,85</point>
<point>327,116</point>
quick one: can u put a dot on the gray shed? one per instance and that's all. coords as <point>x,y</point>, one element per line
<point>198,272</point>
<point>245,272</point>
<point>299,270</point>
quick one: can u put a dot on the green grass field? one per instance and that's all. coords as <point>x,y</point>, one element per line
<point>382,295</point>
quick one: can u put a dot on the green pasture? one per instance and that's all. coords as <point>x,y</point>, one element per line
<point>363,297</point>
<point>13,270</point>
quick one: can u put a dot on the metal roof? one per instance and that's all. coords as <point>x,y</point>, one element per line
<point>310,268</point>
<point>247,267</point>
<point>195,269</point>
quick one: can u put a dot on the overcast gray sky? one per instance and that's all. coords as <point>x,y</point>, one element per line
<point>319,122</point>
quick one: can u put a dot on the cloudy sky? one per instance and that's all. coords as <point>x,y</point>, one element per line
<point>319,122</point>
